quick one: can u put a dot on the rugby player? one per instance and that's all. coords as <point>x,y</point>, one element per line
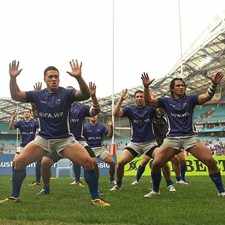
<point>179,108</point>
<point>53,104</point>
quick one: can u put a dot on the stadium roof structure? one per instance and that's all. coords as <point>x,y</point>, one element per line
<point>204,58</point>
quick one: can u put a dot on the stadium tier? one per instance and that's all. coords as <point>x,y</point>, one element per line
<point>210,113</point>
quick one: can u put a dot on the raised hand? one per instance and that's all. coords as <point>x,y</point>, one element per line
<point>13,114</point>
<point>145,80</point>
<point>14,70</point>
<point>124,94</point>
<point>75,69</point>
<point>37,86</point>
<point>216,79</point>
<point>92,88</point>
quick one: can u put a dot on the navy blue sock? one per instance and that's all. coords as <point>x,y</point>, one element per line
<point>92,181</point>
<point>112,172</point>
<point>17,180</point>
<point>46,189</point>
<point>178,178</point>
<point>38,171</point>
<point>217,180</point>
<point>156,179</point>
<point>76,171</point>
<point>169,182</point>
<point>140,171</point>
<point>183,170</point>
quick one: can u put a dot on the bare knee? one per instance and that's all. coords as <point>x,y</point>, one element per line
<point>121,163</point>
<point>18,164</point>
<point>210,163</point>
<point>89,163</point>
<point>46,163</point>
<point>157,163</point>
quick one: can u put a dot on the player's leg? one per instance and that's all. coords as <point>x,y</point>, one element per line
<point>77,172</point>
<point>29,154</point>
<point>167,176</point>
<point>46,164</point>
<point>78,154</point>
<point>201,152</point>
<point>141,168</point>
<point>160,157</point>
<point>127,156</point>
<point>107,158</point>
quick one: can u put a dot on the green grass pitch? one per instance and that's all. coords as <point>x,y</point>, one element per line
<point>194,204</point>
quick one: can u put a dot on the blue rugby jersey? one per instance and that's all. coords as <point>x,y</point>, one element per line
<point>77,115</point>
<point>94,134</point>
<point>179,112</point>
<point>27,130</point>
<point>140,118</point>
<point>53,109</point>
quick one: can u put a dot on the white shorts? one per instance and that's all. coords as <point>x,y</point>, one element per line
<point>83,143</point>
<point>179,143</point>
<point>54,145</point>
<point>142,147</point>
<point>100,152</point>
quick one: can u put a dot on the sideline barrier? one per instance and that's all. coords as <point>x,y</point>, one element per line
<point>194,167</point>
<point>6,166</point>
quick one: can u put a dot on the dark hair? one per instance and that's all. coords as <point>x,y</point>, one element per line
<point>50,68</point>
<point>138,91</point>
<point>172,84</point>
<point>27,110</point>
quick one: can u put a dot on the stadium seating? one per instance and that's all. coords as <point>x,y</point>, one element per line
<point>209,113</point>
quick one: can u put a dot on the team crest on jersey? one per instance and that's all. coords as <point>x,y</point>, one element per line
<point>179,107</point>
<point>58,101</point>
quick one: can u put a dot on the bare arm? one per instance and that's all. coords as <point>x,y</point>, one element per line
<point>149,100</point>
<point>84,93</point>
<point>117,110</point>
<point>16,93</point>
<point>110,129</point>
<point>216,79</point>
<point>12,121</point>
<point>95,105</point>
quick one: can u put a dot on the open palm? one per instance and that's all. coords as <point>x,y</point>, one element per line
<point>14,70</point>
<point>75,69</point>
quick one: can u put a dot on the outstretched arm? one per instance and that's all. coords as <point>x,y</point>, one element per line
<point>12,121</point>
<point>110,129</point>
<point>149,100</point>
<point>16,93</point>
<point>95,105</point>
<point>117,110</point>
<point>216,79</point>
<point>84,93</point>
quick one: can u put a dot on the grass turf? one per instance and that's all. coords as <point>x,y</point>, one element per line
<point>195,204</point>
